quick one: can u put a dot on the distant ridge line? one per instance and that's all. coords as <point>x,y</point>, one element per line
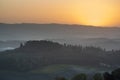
<point>77,25</point>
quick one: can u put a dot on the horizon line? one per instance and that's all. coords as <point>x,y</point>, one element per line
<point>62,24</point>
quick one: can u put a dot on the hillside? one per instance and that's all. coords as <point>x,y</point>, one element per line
<point>37,54</point>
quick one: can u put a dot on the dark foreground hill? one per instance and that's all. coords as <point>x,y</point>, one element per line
<point>37,54</point>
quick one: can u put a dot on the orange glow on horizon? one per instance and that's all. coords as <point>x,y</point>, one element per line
<point>86,12</point>
<point>99,13</point>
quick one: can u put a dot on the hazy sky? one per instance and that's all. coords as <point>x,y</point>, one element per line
<point>87,12</point>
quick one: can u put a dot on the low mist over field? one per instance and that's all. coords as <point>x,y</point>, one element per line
<point>108,38</point>
<point>54,31</point>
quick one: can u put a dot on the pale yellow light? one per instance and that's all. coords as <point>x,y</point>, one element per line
<point>97,13</point>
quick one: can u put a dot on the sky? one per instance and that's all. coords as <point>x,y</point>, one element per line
<point>85,12</point>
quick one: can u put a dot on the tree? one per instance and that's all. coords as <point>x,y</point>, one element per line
<point>21,45</point>
<point>97,76</point>
<point>80,77</point>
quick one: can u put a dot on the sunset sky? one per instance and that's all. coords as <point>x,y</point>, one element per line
<point>86,12</point>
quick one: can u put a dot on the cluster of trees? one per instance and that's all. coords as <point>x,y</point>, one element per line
<point>35,54</point>
<point>115,75</point>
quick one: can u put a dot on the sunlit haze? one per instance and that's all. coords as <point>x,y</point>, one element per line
<point>85,12</point>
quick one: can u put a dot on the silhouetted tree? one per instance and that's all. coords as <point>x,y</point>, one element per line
<point>21,45</point>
